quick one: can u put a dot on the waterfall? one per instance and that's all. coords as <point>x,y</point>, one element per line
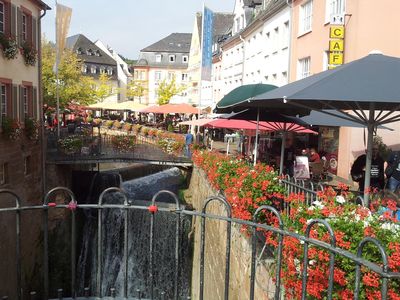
<point>138,242</point>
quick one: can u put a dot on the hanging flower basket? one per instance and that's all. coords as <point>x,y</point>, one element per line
<point>29,53</point>
<point>32,129</point>
<point>9,46</point>
<point>11,128</point>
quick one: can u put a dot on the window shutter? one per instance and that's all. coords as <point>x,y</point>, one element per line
<point>35,104</point>
<point>9,99</point>
<point>19,27</point>
<point>29,35</point>
<point>15,101</point>
<point>30,102</point>
<point>13,20</point>
<point>7,18</point>
<point>34,33</point>
<point>21,104</point>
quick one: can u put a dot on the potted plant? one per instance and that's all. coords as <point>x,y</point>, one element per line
<point>31,129</point>
<point>123,143</point>
<point>11,128</point>
<point>70,145</point>
<point>29,53</point>
<point>9,45</point>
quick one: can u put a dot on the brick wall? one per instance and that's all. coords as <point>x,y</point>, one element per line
<point>240,261</point>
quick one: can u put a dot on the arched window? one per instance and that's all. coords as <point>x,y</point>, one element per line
<point>109,71</point>
<point>93,69</point>
<point>84,68</point>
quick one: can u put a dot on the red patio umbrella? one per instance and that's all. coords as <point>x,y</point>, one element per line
<point>176,109</point>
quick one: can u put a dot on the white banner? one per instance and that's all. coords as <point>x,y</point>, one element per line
<point>63,19</point>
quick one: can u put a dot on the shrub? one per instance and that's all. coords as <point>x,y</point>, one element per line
<point>123,143</point>
<point>71,144</point>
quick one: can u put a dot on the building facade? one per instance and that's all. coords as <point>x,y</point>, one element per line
<point>222,26</point>
<point>21,161</point>
<point>165,60</point>
<point>367,27</point>
<point>258,52</point>
<point>123,74</point>
<point>96,62</point>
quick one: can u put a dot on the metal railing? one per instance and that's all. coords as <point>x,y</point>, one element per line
<point>100,148</point>
<point>382,270</point>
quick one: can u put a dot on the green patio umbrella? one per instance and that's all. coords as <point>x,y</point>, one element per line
<point>241,94</point>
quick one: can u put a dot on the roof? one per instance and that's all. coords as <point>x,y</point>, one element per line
<point>222,23</point>
<point>41,4</point>
<point>252,3</point>
<point>175,42</point>
<point>80,41</point>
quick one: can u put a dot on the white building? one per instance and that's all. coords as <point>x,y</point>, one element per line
<point>123,74</point>
<point>256,53</point>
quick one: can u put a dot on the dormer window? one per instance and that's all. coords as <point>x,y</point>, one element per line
<point>93,70</point>
<point>102,70</point>
<point>158,58</point>
<point>89,52</point>
<point>110,71</point>
<point>84,69</point>
<point>171,58</point>
<point>97,53</point>
<point>79,50</point>
<point>185,59</point>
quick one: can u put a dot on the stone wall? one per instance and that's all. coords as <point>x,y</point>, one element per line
<point>215,243</point>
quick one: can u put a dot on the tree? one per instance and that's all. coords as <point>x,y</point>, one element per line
<point>103,88</point>
<point>136,88</point>
<point>166,90</point>
<point>74,87</point>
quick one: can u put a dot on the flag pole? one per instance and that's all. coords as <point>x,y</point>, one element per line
<point>201,62</point>
<point>57,81</point>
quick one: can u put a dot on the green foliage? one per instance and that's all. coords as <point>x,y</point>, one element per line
<point>71,144</point>
<point>74,87</point>
<point>166,90</point>
<point>170,128</point>
<point>104,87</point>
<point>9,46</point>
<point>31,129</point>
<point>109,124</point>
<point>29,53</point>
<point>136,88</point>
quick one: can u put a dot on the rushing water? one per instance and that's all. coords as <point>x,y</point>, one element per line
<point>138,242</point>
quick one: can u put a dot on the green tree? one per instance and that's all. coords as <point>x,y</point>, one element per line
<point>166,90</point>
<point>74,87</point>
<point>136,88</point>
<point>103,87</point>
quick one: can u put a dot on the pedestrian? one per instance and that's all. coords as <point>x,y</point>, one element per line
<point>377,170</point>
<point>314,156</point>
<point>188,143</point>
<point>392,171</point>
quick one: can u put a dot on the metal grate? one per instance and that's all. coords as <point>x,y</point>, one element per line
<point>179,211</point>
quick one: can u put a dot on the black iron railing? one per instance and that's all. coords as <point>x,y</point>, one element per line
<point>179,211</point>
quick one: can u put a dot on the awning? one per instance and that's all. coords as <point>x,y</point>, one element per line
<point>199,122</point>
<point>127,105</point>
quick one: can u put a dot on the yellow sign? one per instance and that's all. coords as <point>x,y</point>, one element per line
<point>336,46</point>
<point>337,32</point>
<point>336,58</point>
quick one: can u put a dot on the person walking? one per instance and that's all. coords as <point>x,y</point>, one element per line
<point>377,170</point>
<point>188,143</point>
<point>392,171</point>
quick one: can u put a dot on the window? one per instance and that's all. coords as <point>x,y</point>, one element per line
<point>93,70</point>
<point>185,59</point>
<point>171,58</point>
<point>25,97</point>
<point>102,70</point>
<point>79,51</point>
<point>171,76</point>
<point>97,53</point>
<point>3,103</point>
<point>184,76</point>
<point>325,60</point>
<point>305,23</point>
<point>2,18</point>
<point>334,7</point>
<point>157,75</point>
<point>3,173</point>
<point>110,71</point>
<point>24,27</point>
<point>304,68</point>
<point>84,69</point>
<point>89,52</point>
<point>27,165</point>
<point>237,24</point>
<point>158,57</point>
<point>284,77</point>
<point>285,34</point>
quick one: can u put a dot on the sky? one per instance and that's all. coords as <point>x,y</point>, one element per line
<point>130,25</point>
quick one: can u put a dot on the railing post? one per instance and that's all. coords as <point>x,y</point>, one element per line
<point>18,238</point>
<point>228,210</point>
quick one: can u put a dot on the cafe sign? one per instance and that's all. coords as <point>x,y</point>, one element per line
<point>336,41</point>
